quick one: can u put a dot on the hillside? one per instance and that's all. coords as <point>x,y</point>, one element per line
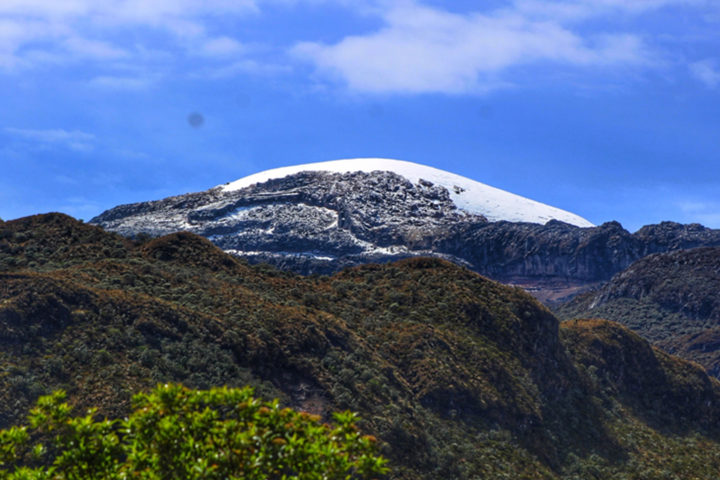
<point>672,299</point>
<point>458,376</point>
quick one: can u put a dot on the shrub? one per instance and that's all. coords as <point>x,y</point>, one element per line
<point>174,432</point>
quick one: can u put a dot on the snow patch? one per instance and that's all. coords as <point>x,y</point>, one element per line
<point>239,213</point>
<point>281,254</point>
<point>468,195</point>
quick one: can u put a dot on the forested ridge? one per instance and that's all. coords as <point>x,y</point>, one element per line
<point>456,375</point>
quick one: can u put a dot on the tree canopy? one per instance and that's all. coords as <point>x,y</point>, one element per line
<point>174,432</point>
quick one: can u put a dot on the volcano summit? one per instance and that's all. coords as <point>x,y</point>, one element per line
<point>342,212</point>
<point>322,217</point>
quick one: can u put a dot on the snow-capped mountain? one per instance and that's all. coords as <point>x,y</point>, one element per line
<point>467,195</point>
<point>322,217</point>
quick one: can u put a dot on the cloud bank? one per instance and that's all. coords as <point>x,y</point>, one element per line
<point>58,32</point>
<point>74,139</point>
<point>421,49</point>
<point>413,47</point>
<point>707,71</point>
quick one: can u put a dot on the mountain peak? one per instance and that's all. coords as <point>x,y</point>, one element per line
<point>468,195</point>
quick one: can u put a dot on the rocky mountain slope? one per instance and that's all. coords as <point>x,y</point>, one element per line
<point>323,221</point>
<point>458,376</point>
<point>467,195</point>
<point>672,299</point>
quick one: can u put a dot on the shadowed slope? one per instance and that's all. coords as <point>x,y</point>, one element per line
<point>672,299</point>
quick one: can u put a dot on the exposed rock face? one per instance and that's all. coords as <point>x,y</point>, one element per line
<point>308,222</point>
<point>507,250</point>
<point>320,222</point>
<point>669,298</point>
<point>669,236</point>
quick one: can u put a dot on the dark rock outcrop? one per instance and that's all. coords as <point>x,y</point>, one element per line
<point>319,222</point>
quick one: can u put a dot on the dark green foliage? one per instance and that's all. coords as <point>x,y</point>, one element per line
<point>457,376</point>
<point>175,433</point>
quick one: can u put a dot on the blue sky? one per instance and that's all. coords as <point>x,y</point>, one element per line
<point>607,108</point>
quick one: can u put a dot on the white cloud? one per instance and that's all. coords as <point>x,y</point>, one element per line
<point>707,72</point>
<point>83,47</point>
<point>72,30</point>
<point>220,47</point>
<point>15,34</point>
<point>428,50</point>
<point>417,49</point>
<point>73,139</point>
<point>706,213</point>
<point>156,10</point>
<point>45,8</point>
<point>240,67</point>
<point>128,11</point>
<point>128,83</point>
<point>573,10</point>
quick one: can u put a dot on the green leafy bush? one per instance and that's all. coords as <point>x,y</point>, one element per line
<point>174,433</point>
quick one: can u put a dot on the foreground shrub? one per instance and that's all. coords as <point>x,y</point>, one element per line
<point>177,433</point>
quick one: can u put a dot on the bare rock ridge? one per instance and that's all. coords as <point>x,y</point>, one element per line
<point>309,222</point>
<point>320,218</point>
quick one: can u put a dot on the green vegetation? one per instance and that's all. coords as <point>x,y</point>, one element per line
<point>457,376</point>
<point>639,389</point>
<point>670,299</point>
<point>174,433</point>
